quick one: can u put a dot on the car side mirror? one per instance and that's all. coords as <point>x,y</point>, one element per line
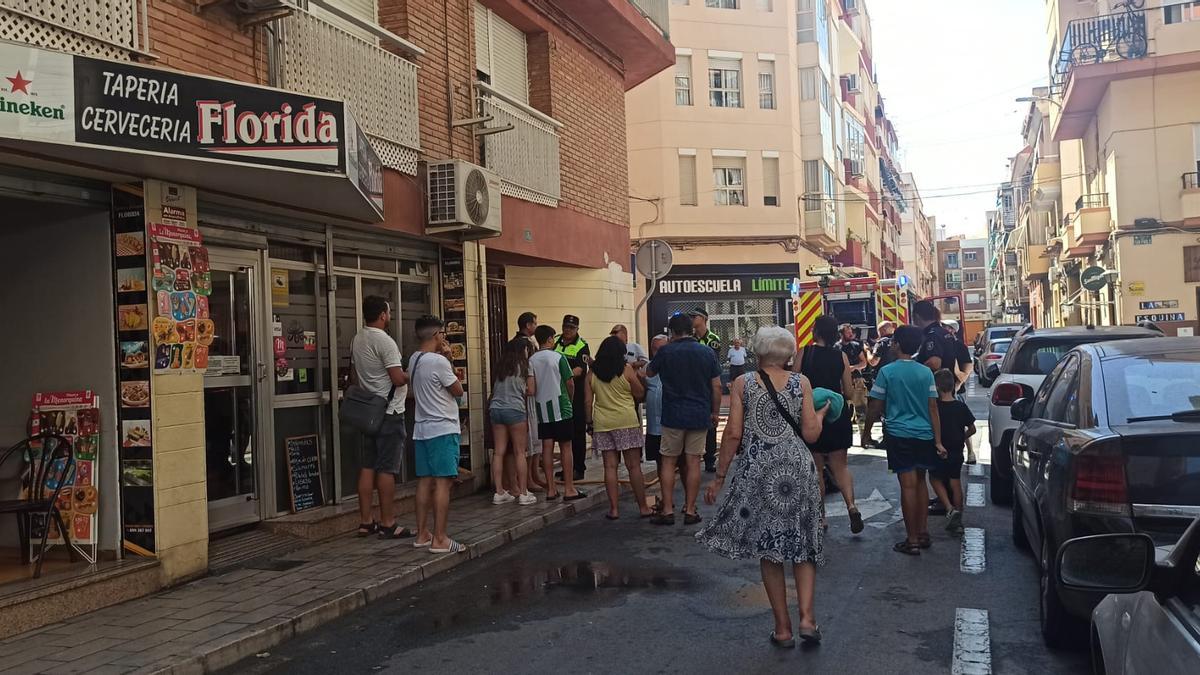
<point>1020,409</point>
<point>992,372</point>
<point>1107,563</point>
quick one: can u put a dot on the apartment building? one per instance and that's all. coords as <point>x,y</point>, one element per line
<point>202,194</point>
<point>763,152</point>
<point>916,241</point>
<point>1122,120</point>
<point>962,267</point>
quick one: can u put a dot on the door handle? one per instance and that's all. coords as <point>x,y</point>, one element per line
<point>262,372</point>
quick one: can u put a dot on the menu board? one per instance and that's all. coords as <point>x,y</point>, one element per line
<point>454,313</point>
<point>182,282</point>
<point>304,472</point>
<point>74,415</point>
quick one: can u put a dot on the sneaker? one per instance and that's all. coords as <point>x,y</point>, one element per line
<point>954,521</point>
<point>527,499</point>
<point>503,498</point>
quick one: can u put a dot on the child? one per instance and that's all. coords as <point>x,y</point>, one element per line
<point>958,424</point>
<point>905,391</point>
<point>555,389</point>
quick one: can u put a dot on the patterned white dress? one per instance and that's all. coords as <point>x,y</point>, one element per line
<point>772,508</point>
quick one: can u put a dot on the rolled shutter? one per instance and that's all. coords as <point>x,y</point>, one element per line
<point>510,64</point>
<point>687,180</point>
<point>483,43</point>
<point>771,177</point>
<point>361,9</point>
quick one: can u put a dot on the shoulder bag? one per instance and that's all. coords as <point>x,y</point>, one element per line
<point>364,411</point>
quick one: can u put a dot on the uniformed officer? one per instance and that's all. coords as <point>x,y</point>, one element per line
<point>709,339</point>
<point>937,344</point>
<point>882,355</point>
<point>572,345</point>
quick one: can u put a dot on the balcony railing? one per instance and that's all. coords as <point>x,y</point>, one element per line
<point>657,12</point>
<point>1191,181</point>
<point>113,29</point>
<point>526,157</point>
<point>316,57</point>
<point>1113,37</point>
<point>1091,201</point>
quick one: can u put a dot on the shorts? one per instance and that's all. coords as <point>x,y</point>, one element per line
<point>617,440</point>
<point>909,454</point>
<point>437,457</point>
<point>653,447</point>
<point>384,452</point>
<point>562,431</point>
<point>676,442</point>
<point>951,467</point>
<point>507,417</point>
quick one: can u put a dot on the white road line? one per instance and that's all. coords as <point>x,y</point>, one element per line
<point>974,551</point>
<point>976,469</point>
<point>972,643</point>
<point>975,494</point>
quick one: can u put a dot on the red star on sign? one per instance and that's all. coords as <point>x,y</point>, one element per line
<point>19,83</point>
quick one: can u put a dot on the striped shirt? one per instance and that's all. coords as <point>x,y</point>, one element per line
<point>552,373</point>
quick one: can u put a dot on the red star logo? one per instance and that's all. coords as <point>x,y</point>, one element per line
<point>19,83</point>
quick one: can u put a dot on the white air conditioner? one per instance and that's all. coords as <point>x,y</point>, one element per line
<point>852,84</point>
<point>462,198</point>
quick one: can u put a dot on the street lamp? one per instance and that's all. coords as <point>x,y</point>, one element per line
<point>1038,99</point>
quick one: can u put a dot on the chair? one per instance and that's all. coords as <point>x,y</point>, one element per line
<point>56,466</point>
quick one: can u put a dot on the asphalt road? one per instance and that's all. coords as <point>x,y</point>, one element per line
<point>588,595</point>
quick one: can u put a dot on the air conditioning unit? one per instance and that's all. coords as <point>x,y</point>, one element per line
<point>852,84</point>
<point>856,167</point>
<point>462,198</point>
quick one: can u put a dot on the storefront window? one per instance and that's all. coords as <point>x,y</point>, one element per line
<point>294,318</point>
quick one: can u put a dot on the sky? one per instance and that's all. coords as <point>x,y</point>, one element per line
<point>949,71</point>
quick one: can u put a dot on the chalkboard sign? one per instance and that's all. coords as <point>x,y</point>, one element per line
<point>304,472</point>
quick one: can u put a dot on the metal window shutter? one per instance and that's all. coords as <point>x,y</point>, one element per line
<point>363,9</point>
<point>728,162</point>
<point>510,63</point>
<point>770,172</point>
<point>483,44</point>
<point>687,180</point>
<point>683,65</point>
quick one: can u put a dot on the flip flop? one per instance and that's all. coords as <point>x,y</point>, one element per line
<point>924,541</point>
<point>691,518</point>
<point>417,544</point>
<point>906,548</point>
<point>812,637</point>
<point>856,522</point>
<point>783,644</point>
<point>575,497</point>
<point>663,519</point>
<point>551,498</point>
<point>366,529</point>
<point>395,532</point>
<point>454,547</point>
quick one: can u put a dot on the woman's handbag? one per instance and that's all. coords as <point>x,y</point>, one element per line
<point>363,410</point>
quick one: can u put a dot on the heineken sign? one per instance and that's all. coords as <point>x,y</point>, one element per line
<point>739,285</point>
<point>61,98</point>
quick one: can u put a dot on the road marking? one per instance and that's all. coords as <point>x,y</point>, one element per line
<point>976,469</point>
<point>975,494</point>
<point>974,551</point>
<point>869,507</point>
<point>972,643</point>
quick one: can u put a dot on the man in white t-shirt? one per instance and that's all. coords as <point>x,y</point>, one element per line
<point>376,366</point>
<point>634,354</point>
<point>436,439</point>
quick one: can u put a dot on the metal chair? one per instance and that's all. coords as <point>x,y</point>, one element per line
<point>42,484</point>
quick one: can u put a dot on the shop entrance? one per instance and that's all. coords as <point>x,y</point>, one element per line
<point>232,391</point>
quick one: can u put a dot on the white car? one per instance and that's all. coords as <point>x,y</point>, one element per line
<point>1032,355</point>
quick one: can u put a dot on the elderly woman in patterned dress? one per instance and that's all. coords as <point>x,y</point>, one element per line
<point>772,510</point>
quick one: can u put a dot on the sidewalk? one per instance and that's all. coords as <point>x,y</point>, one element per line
<point>216,621</point>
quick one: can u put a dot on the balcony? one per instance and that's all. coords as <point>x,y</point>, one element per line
<point>1190,196</point>
<point>111,29</point>
<point>1035,265</point>
<point>525,157</point>
<point>656,12</point>
<point>379,87</point>
<point>1091,223</point>
<point>1047,181</point>
<point>636,31</point>
<point>820,227</point>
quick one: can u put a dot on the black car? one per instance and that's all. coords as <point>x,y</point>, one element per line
<point>1110,443</point>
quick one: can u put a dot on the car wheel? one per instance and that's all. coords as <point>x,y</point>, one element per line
<point>1057,625</point>
<point>1019,538</point>
<point>1002,488</point>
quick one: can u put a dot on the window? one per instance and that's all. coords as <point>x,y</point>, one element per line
<point>363,11</point>
<point>766,5</point>
<point>975,299</point>
<point>972,276</point>
<point>766,85</point>
<point>687,180</point>
<point>970,256</point>
<point>729,186</point>
<point>1062,402</point>
<point>856,146</point>
<point>952,260</point>
<point>808,84</point>
<point>1151,384</point>
<point>1184,11</point>
<point>1191,264</point>
<point>826,96</point>
<point>812,185</point>
<point>805,21</point>
<point>770,175</point>
<point>683,79</point>
<point>679,2</point>
<point>721,4</point>
<point>724,83</point>
<point>501,54</point>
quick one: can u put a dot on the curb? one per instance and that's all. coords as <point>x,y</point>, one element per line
<point>230,649</point>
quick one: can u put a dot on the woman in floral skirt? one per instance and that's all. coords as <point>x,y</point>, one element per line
<point>772,510</point>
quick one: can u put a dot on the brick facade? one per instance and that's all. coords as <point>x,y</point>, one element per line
<point>207,43</point>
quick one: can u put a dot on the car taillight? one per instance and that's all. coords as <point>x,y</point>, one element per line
<point>1005,394</point>
<point>1099,485</point>
<point>993,357</point>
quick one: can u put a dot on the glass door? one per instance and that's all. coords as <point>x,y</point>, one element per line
<point>231,384</point>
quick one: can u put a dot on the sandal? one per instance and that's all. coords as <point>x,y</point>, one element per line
<point>551,498</point>
<point>609,516</point>
<point>395,532</point>
<point>810,636</point>
<point>906,548</point>
<point>575,497</point>
<point>452,547</point>
<point>418,544</point>
<point>924,541</point>
<point>367,529</point>
<point>856,522</point>
<point>663,519</point>
<point>691,518</point>
<point>782,644</point>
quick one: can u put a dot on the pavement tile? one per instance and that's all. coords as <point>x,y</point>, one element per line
<point>86,664</point>
<point>151,641</point>
<point>308,616</point>
<point>109,669</point>
<point>197,611</point>
<point>228,649</point>
<point>207,620</point>
<point>89,648</point>
<point>209,634</point>
<point>261,614</point>
<point>12,658</point>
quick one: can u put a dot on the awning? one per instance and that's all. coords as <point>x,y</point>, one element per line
<point>92,117</point>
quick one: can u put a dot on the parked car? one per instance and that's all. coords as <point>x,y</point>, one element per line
<point>993,353</point>
<point>1151,621</point>
<point>1110,443</point>
<point>1032,354</point>
<point>995,332</point>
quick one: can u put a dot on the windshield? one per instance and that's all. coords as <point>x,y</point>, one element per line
<point>1153,384</point>
<point>1038,357</point>
<point>1000,333</point>
<point>1000,347</point>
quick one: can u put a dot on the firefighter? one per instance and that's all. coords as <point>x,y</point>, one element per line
<point>856,355</point>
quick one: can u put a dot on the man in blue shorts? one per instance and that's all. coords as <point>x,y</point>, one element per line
<point>904,395</point>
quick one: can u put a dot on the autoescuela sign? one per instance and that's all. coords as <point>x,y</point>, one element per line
<point>62,98</point>
<point>769,285</point>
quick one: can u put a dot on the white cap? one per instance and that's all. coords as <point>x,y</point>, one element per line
<point>951,324</point>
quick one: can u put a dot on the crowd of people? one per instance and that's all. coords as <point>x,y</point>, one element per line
<point>790,423</point>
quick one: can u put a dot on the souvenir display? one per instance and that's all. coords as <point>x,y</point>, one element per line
<point>74,415</point>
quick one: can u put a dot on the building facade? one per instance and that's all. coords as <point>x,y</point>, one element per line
<point>765,151</point>
<point>916,241</point>
<point>216,273</point>
<point>962,267</point>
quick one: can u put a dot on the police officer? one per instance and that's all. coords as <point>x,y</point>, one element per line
<point>882,355</point>
<point>709,339</point>
<point>572,345</point>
